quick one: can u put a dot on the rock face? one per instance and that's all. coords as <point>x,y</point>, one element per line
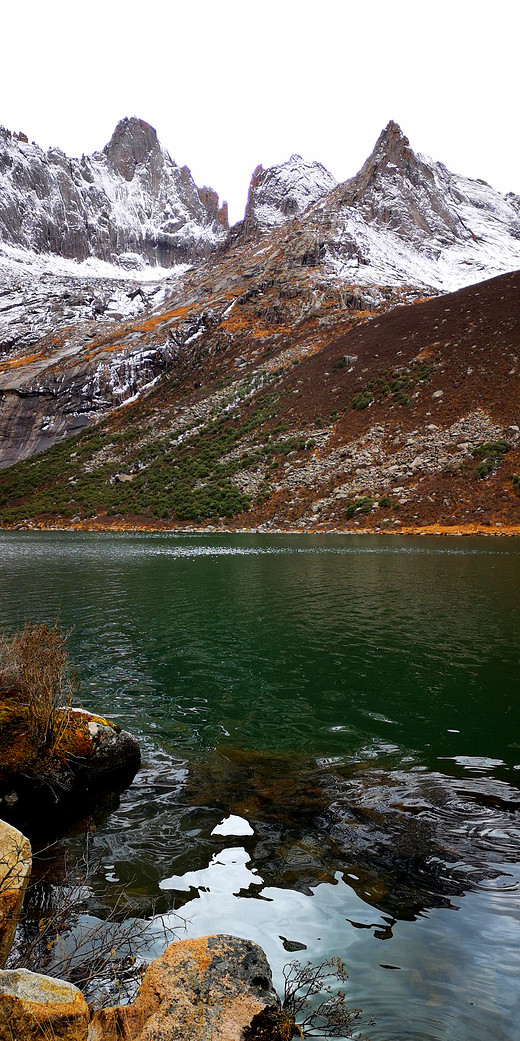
<point>50,386</point>
<point>34,1007</point>
<point>199,990</point>
<point>58,394</point>
<point>129,204</point>
<point>15,868</point>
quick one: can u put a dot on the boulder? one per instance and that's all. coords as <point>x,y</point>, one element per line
<point>41,792</point>
<point>110,755</point>
<point>15,868</point>
<point>34,1007</point>
<point>207,989</point>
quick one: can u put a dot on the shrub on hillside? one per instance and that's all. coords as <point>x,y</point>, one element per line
<point>490,454</point>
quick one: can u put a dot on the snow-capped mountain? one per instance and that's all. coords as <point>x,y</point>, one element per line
<point>89,318</point>
<point>284,191</point>
<point>402,220</point>
<point>129,204</point>
<point>405,219</point>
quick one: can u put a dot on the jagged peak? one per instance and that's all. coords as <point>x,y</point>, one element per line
<point>392,150</point>
<point>134,128</point>
<point>132,143</point>
<point>393,133</point>
<point>392,146</point>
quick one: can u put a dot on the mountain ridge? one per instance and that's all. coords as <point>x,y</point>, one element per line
<point>128,203</point>
<point>286,314</point>
<point>401,218</point>
<point>407,419</point>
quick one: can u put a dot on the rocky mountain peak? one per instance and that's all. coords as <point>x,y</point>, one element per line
<point>405,192</point>
<point>283,191</point>
<point>129,204</point>
<point>392,139</point>
<point>391,154</point>
<point>132,143</point>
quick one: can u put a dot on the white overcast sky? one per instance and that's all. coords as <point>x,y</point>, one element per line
<point>234,83</point>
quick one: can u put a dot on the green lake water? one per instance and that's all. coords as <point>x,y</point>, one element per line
<point>356,701</point>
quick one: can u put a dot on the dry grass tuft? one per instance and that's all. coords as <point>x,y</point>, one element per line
<point>35,669</point>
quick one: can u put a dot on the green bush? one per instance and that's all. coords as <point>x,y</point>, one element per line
<point>362,400</point>
<point>363,505</point>
<point>491,454</point>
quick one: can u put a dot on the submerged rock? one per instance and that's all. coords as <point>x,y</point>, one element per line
<point>198,990</point>
<point>33,1007</point>
<point>15,868</point>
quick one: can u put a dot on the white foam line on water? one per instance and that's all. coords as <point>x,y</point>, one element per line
<point>142,545</point>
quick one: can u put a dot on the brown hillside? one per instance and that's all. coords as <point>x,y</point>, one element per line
<point>402,419</point>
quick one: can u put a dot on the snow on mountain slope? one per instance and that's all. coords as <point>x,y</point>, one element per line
<point>41,294</point>
<point>407,219</point>
<point>284,191</point>
<point>79,338</point>
<point>128,203</point>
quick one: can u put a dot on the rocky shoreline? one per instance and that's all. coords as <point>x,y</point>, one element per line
<point>459,530</point>
<point>198,990</point>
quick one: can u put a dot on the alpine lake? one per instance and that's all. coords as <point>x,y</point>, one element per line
<point>355,702</point>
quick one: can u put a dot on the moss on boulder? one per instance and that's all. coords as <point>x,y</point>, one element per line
<point>35,1007</point>
<point>91,757</point>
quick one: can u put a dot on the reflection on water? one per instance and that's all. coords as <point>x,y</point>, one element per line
<point>355,700</point>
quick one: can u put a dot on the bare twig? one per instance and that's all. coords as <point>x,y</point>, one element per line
<point>35,672</point>
<point>319,1009</point>
<point>57,936</point>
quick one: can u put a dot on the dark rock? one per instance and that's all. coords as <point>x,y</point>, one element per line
<point>133,142</point>
<point>96,759</point>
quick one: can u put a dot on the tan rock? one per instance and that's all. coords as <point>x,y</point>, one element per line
<point>207,989</point>
<point>15,868</point>
<point>37,1008</point>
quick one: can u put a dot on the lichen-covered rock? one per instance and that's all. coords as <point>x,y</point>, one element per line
<point>34,1007</point>
<point>39,789</point>
<point>15,868</point>
<point>207,989</point>
<point>108,751</point>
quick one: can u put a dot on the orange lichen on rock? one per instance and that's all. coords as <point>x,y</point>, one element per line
<point>36,1008</point>
<point>76,739</point>
<point>197,990</point>
<point>18,363</point>
<point>19,753</point>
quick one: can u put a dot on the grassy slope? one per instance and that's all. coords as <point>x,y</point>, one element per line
<point>408,419</point>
